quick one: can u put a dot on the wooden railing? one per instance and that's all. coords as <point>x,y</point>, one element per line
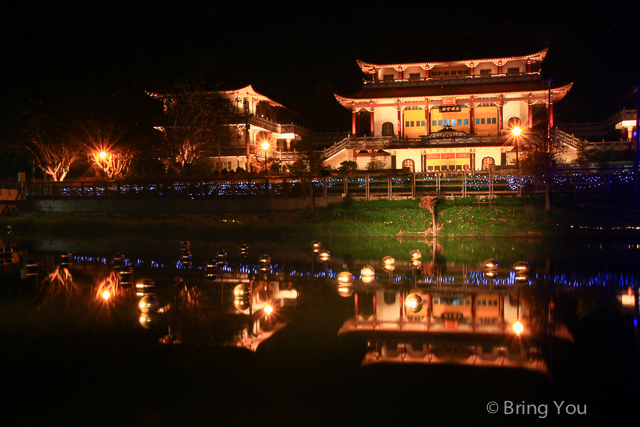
<point>602,181</point>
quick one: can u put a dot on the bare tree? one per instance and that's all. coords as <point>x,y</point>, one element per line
<point>105,145</point>
<point>53,155</point>
<point>195,121</point>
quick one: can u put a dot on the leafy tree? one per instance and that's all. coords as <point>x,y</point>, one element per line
<point>348,165</point>
<point>584,154</point>
<point>375,165</point>
<point>195,121</point>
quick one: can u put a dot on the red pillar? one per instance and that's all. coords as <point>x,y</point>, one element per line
<point>401,74</point>
<point>499,69</point>
<point>528,67</point>
<point>500,124</point>
<point>374,305</point>
<point>530,116</point>
<point>353,123</point>
<point>472,120</point>
<point>355,301</point>
<point>427,73</point>
<point>551,115</point>
<point>427,114</point>
<point>372,124</point>
<point>399,124</point>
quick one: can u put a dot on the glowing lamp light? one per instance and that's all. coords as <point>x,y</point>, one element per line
<point>491,263</point>
<point>491,274</point>
<point>416,263</point>
<point>268,309</point>
<point>241,291</point>
<point>516,131</point>
<point>388,261</point>
<point>414,303</point>
<point>518,328</point>
<point>106,295</point>
<point>345,290</point>
<point>522,267</point>
<point>345,277</point>
<point>325,255</point>
<point>367,271</point>
<point>102,155</point>
<point>415,254</point>
<point>265,145</point>
<point>368,279</point>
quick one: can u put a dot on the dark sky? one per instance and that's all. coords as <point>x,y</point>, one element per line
<point>301,54</point>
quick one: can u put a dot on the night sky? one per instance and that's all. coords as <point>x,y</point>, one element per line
<point>300,55</point>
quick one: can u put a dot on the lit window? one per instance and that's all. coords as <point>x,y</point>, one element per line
<point>466,121</point>
<point>455,302</point>
<point>477,121</point>
<point>490,303</point>
<point>454,122</point>
<point>486,72</point>
<point>484,302</point>
<point>446,122</point>
<point>423,123</point>
<point>412,123</point>
<point>513,70</point>
<point>388,77</point>
<point>479,302</point>
<point>467,302</point>
<point>406,124</point>
<point>435,301</point>
<point>414,76</point>
<point>439,122</point>
<point>434,123</point>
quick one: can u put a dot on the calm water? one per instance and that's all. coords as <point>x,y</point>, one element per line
<point>174,334</point>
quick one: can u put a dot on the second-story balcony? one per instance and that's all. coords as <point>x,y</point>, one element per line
<point>453,80</point>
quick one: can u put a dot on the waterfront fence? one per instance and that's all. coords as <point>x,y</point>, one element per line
<point>488,183</point>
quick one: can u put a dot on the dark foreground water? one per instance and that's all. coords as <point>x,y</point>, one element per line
<point>86,340</point>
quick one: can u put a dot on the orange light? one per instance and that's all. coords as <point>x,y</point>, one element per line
<point>102,154</point>
<point>268,309</point>
<point>106,295</point>
<point>518,328</point>
<point>266,145</point>
<point>516,131</point>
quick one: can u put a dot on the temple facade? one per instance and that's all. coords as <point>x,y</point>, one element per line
<point>447,115</point>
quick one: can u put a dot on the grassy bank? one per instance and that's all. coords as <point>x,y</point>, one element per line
<point>504,217</point>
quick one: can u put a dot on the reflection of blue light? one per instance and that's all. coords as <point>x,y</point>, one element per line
<point>635,322</point>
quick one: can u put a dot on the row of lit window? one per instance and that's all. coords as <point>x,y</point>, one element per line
<point>414,123</point>
<point>455,301</point>
<point>453,122</point>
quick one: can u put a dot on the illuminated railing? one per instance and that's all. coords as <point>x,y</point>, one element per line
<point>454,80</point>
<point>367,185</point>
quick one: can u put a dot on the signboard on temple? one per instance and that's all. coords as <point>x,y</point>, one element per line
<point>450,108</point>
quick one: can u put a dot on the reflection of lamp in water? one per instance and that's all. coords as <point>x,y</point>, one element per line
<point>368,279</point>
<point>268,309</point>
<point>324,255</point>
<point>416,263</point>
<point>315,246</point>
<point>518,328</point>
<point>241,304</point>
<point>367,271</point>
<point>106,295</point>
<point>388,263</point>
<point>146,319</point>
<point>241,291</point>
<point>148,304</point>
<point>522,269</point>
<point>415,254</point>
<point>491,264</point>
<point>414,303</point>
<point>345,290</point>
<point>264,259</point>
<point>345,277</point>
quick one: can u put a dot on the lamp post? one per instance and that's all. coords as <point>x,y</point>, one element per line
<point>265,147</point>
<point>516,131</point>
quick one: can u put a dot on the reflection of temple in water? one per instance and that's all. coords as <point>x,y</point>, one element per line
<point>470,327</point>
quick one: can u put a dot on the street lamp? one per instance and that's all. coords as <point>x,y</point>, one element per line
<point>516,131</point>
<point>265,147</point>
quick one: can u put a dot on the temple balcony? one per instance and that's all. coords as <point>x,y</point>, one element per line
<point>451,80</point>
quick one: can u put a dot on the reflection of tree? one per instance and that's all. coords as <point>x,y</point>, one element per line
<point>431,268</point>
<point>110,284</point>
<point>59,286</point>
<point>193,318</point>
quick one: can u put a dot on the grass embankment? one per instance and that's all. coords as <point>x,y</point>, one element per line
<point>504,217</point>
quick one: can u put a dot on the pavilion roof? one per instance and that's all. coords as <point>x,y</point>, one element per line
<point>250,91</point>
<point>395,93</point>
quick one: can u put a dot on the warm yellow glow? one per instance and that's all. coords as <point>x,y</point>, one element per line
<point>368,279</point>
<point>102,154</point>
<point>345,277</point>
<point>415,254</point>
<point>388,261</point>
<point>516,131</point>
<point>518,328</point>
<point>106,295</point>
<point>268,309</point>
<point>265,145</point>
<point>367,271</point>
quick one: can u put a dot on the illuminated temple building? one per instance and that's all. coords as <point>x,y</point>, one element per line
<point>454,115</point>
